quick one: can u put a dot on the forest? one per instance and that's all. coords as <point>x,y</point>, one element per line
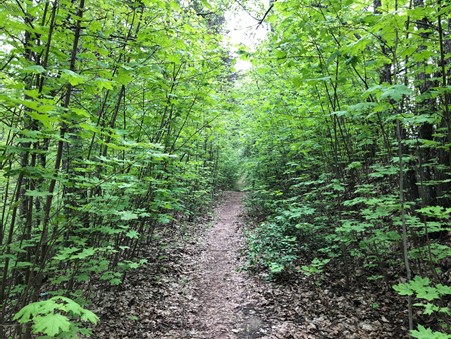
<point>122,122</point>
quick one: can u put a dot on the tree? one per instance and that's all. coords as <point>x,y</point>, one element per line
<point>334,90</point>
<point>108,116</point>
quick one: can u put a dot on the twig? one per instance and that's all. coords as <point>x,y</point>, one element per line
<point>264,16</point>
<point>245,9</point>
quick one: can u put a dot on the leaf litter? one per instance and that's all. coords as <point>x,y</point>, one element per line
<point>193,287</point>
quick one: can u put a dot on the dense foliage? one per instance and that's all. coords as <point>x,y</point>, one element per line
<point>111,120</point>
<point>118,118</point>
<point>347,129</point>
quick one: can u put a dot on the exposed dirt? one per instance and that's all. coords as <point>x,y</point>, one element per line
<point>192,288</point>
<point>220,290</point>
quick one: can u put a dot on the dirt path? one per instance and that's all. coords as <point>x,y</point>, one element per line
<point>220,306</point>
<point>219,286</point>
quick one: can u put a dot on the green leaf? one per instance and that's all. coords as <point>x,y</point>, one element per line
<point>73,78</point>
<point>35,69</point>
<point>51,324</point>
<point>45,119</point>
<point>70,305</point>
<point>419,282</point>
<point>87,315</point>
<point>297,81</point>
<point>354,164</point>
<point>276,267</point>
<point>421,287</point>
<point>115,281</point>
<point>124,78</point>
<point>427,333</point>
<point>87,252</point>
<point>428,308</point>
<point>340,113</point>
<point>403,289</point>
<point>33,193</point>
<point>127,215</point>
<point>320,79</point>
<point>46,321</point>
<point>81,112</point>
<point>65,254</point>
<point>102,83</point>
<point>132,234</point>
<point>32,93</point>
<point>435,212</point>
<point>22,264</point>
<point>443,289</point>
<point>396,92</point>
<point>133,265</point>
<point>428,293</point>
<point>83,277</point>
<point>27,312</point>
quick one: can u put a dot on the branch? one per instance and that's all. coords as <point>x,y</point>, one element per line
<point>245,9</point>
<point>266,14</point>
<point>11,57</point>
<point>203,15</point>
<point>260,21</point>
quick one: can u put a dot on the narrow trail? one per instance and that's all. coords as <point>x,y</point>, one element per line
<point>220,286</point>
<point>223,306</point>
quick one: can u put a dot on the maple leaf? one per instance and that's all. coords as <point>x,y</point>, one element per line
<point>51,324</point>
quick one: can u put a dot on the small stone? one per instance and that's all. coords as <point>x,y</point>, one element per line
<point>367,327</point>
<point>311,326</point>
<point>318,320</point>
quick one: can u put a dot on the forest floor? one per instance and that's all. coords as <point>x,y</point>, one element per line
<point>194,288</point>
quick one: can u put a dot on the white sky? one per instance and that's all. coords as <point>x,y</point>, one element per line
<point>243,29</point>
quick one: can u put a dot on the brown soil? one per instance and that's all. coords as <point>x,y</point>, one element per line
<point>220,290</point>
